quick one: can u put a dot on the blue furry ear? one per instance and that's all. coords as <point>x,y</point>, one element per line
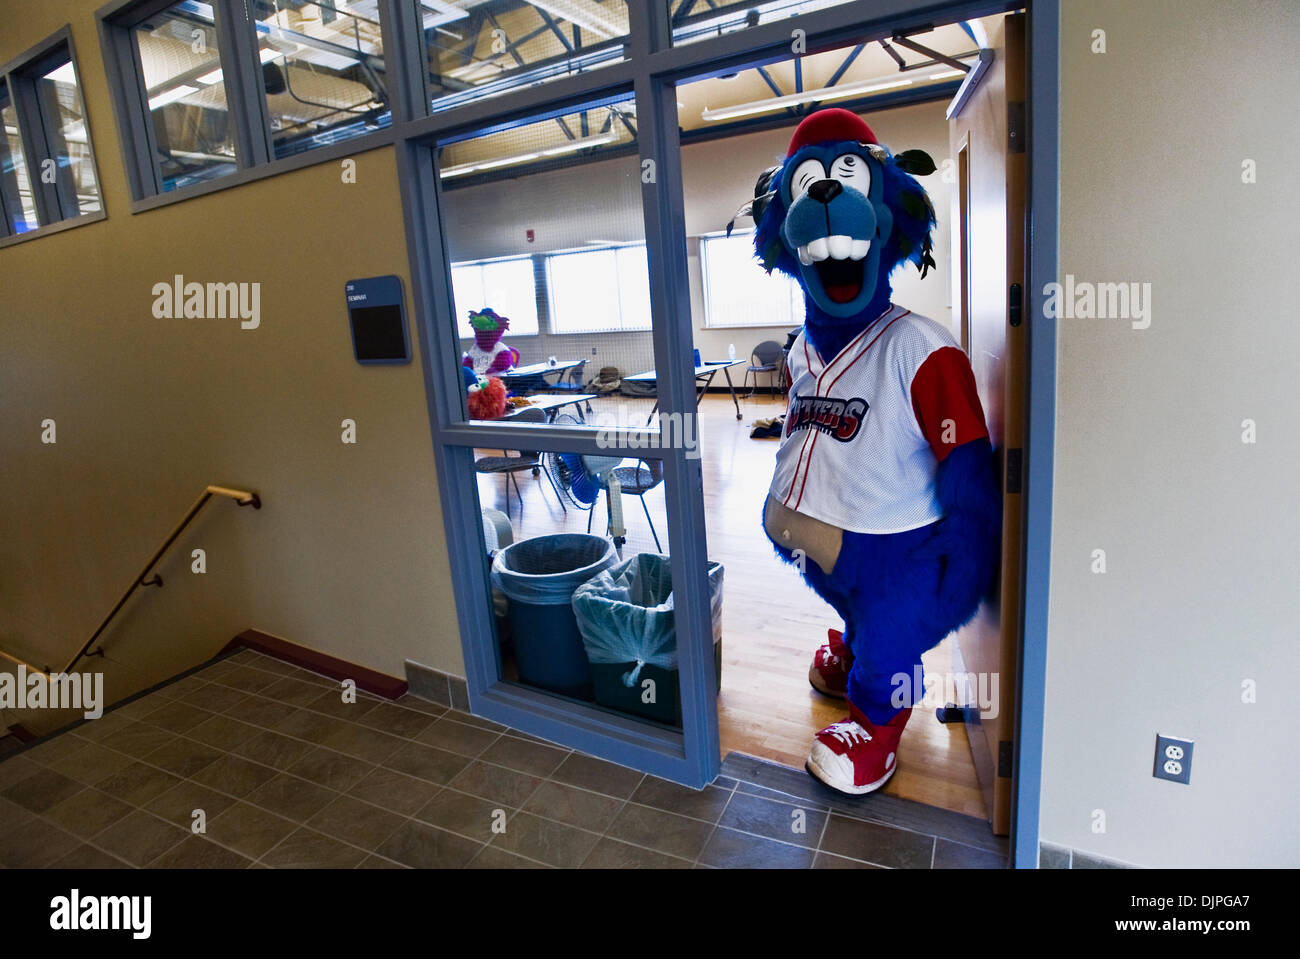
<point>769,249</point>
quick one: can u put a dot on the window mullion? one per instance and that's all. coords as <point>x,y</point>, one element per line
<point>63,190</point>
<point>241,69</point>
<point>404,59</point>
<point>31,133</point>
<point>142,141</point>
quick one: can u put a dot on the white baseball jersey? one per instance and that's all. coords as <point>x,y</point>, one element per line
<point>864,432</point>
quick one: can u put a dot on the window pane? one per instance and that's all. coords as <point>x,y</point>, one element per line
<point>64,120</point>
<point>15,187</point>
<point>634,287</point>
<point>323,67</point>
<point>186,94</point>
<point>584,291</point>
<point>507,287</point>
<point>480,50</point>
<point>555,520</point>
<point>738,293</point>
<point>692,20</point>
<point>467,291</point>
<point>534,216</point>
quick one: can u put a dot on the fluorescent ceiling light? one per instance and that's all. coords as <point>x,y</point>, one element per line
<point>586,14</point>
<point>172,95</point>
<point>63,74</point>
<point>795,99</point>
<point>946,75</point>
<point>436,12</point>
<point>570,147</point>
<point>212,77</point>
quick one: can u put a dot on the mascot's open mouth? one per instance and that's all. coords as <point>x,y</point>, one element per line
<point>838,261</point>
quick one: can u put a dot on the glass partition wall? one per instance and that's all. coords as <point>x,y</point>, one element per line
<point>546,233</point>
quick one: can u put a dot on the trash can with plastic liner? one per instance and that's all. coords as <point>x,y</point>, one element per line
<point>627,619</point>
<point>538,577</point>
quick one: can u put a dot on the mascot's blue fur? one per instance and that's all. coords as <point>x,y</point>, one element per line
<point>899,594</point>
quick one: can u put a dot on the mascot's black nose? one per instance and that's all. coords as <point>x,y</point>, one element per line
<point>823,191</point>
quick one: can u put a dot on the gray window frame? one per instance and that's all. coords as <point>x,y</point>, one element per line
<point>52,201</point>
<point>245,99</point>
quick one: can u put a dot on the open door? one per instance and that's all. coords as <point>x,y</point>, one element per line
<point>987,138</point>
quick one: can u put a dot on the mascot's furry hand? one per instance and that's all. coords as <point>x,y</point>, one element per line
<point>966,541</point>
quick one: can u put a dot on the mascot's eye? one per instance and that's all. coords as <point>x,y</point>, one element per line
<point>805,175</point>
<point>852,169</point>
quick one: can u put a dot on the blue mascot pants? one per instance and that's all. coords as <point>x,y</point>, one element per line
<point>888,600</point>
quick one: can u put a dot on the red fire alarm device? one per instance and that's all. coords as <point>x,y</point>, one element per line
<point>530,236</point>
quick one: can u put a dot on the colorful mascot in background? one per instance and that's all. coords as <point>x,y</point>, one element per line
<point>489,356</point>
<point>885,493</point>
<point>485,396</point>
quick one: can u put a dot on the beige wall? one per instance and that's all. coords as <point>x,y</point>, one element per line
<point>1200,530</point>
<point>347,554</point>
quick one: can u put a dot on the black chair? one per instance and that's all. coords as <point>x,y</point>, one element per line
<point>636,481</point>
<point>766,358</point>
<point>526,460</point>
<point>572,380</point>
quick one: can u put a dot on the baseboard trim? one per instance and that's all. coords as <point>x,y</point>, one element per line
<point>437,686</point>
<point>1052,856</point>
<point>368,680</point>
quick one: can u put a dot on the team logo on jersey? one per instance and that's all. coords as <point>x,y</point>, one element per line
<point>838,419</point>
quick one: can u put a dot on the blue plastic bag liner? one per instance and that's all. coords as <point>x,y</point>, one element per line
<point>625,614</point>
<point>545,570</point>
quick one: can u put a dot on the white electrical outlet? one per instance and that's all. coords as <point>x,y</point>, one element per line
<point>1173,759</point>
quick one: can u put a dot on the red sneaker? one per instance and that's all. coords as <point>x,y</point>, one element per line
<point>829,672</point>
<point>856,756</point>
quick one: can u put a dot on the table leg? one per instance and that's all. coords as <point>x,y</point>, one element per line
<point>699,393</point>
<point>732,387</point>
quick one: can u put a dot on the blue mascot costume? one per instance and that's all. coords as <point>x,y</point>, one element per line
<point>885,493</point>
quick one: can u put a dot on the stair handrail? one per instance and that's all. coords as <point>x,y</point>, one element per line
<point>241,498</point>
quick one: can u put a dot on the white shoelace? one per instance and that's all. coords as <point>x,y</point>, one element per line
<point>850,734</point>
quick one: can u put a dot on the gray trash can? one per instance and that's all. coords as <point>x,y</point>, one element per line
<point>538,577</point>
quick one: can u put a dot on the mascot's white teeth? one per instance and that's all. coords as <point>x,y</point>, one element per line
<point>838,247</point>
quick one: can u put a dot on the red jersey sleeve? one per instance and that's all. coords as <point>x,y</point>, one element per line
<point>946,403</point>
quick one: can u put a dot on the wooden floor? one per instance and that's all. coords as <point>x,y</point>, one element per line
<point>772,622</point>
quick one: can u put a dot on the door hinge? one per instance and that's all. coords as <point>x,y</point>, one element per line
<point>1004,759</point>
<point>1016,126</point>
<point>1015,304</point>
<point>1015,459</point>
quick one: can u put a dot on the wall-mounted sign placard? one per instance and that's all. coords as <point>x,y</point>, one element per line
<point>378,320</point>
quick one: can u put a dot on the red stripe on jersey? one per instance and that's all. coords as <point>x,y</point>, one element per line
<point>946,401</point>
<point>863,352</point>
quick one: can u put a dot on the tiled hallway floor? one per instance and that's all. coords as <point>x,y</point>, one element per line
<point>287,775</point>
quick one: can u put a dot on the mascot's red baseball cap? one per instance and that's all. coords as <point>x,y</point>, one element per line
<point>828,125</point>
